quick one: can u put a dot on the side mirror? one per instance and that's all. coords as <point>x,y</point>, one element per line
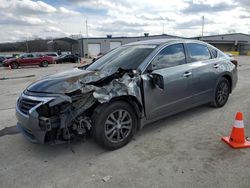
<point>158,80</point>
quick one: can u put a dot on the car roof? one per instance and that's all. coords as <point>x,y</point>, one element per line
<point>163,41</point>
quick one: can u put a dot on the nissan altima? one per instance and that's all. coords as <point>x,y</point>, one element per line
<point>125,89</point>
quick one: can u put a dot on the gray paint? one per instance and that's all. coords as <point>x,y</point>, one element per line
<point>75,91</point>
<point>182,92</point>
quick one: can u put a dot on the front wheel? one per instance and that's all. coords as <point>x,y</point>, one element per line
<point>114,124</point>
<point>14,65</point>
<point>221,94</point>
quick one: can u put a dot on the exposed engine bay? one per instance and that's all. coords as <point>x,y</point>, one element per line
<point>69,104</point>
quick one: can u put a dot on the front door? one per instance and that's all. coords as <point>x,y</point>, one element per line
<point>27,59</point>
<point>171,64</point>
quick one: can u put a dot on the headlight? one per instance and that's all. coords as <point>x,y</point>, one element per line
<point>44,111</point>
<point>55,110</point>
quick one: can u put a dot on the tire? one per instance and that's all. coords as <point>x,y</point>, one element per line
<point>14,65</point>
<point>221,94</point>
<point>111,134</point>
<point>44,64</point>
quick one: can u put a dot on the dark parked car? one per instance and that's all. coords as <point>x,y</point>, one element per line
<point>131,86</point>
<point>2,58</point>
<point>67,59</point>
<point>28,60</point>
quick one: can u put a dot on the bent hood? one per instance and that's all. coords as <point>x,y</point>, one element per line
<point>66,82</point>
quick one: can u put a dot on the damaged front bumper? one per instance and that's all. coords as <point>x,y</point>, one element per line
<point>28,118</point>
<point>53,119</point>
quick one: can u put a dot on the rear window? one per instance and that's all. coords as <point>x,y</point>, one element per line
<point>198,52</point>
<point>51,55</point>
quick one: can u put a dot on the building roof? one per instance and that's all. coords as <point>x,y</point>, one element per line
<point>123,37</point>
<point>221,35</point>
<point>205,38</point>
<point>65,39</point>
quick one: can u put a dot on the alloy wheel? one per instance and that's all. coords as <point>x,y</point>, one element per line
<point>118,126</point>
<point>222,93</point>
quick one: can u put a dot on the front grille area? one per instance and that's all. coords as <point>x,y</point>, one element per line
<point>26,104</point>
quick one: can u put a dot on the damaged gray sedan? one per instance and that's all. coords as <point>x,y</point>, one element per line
<point>130,86</point>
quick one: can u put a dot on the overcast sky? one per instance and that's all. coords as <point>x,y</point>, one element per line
<point>22,19</point>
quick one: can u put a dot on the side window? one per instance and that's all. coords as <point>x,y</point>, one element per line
<point>38,55</point>
<point>29,55</point>
<point>198,52</point>
<point>170,56</point>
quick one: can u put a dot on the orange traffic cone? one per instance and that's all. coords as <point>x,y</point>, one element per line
<point>237,137</point>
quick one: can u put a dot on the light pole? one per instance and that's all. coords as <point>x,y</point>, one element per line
<point>87,37</point>
<point>202,28</point>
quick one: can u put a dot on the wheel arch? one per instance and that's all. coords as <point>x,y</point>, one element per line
<point>229,78</point>
<point>44,60</point>
<point>132,101</point>
<point>14,62</point>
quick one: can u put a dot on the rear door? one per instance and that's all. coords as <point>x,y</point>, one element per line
<point>204,71</point>
<point>34,59</point>
<point>37,59</point>
<point>171,64</point>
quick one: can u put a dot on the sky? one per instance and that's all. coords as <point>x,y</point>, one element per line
<point>27,19</point>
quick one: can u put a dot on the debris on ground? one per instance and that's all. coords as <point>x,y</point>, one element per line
<point>106,178</point>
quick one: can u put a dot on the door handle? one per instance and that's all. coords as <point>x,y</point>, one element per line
<point>187,74</point>
<point>216,66</point>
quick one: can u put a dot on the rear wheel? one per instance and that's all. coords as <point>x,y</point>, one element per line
<point>114,124</point>
<point>14,65</point>
<point>44,64</point>
<point>221,93</point>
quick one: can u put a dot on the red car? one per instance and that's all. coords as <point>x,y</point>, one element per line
<point>28,60</point>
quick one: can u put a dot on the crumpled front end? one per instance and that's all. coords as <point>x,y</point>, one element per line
<point>54,117</point>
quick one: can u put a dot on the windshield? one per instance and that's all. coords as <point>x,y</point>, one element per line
<point>125,57</point>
